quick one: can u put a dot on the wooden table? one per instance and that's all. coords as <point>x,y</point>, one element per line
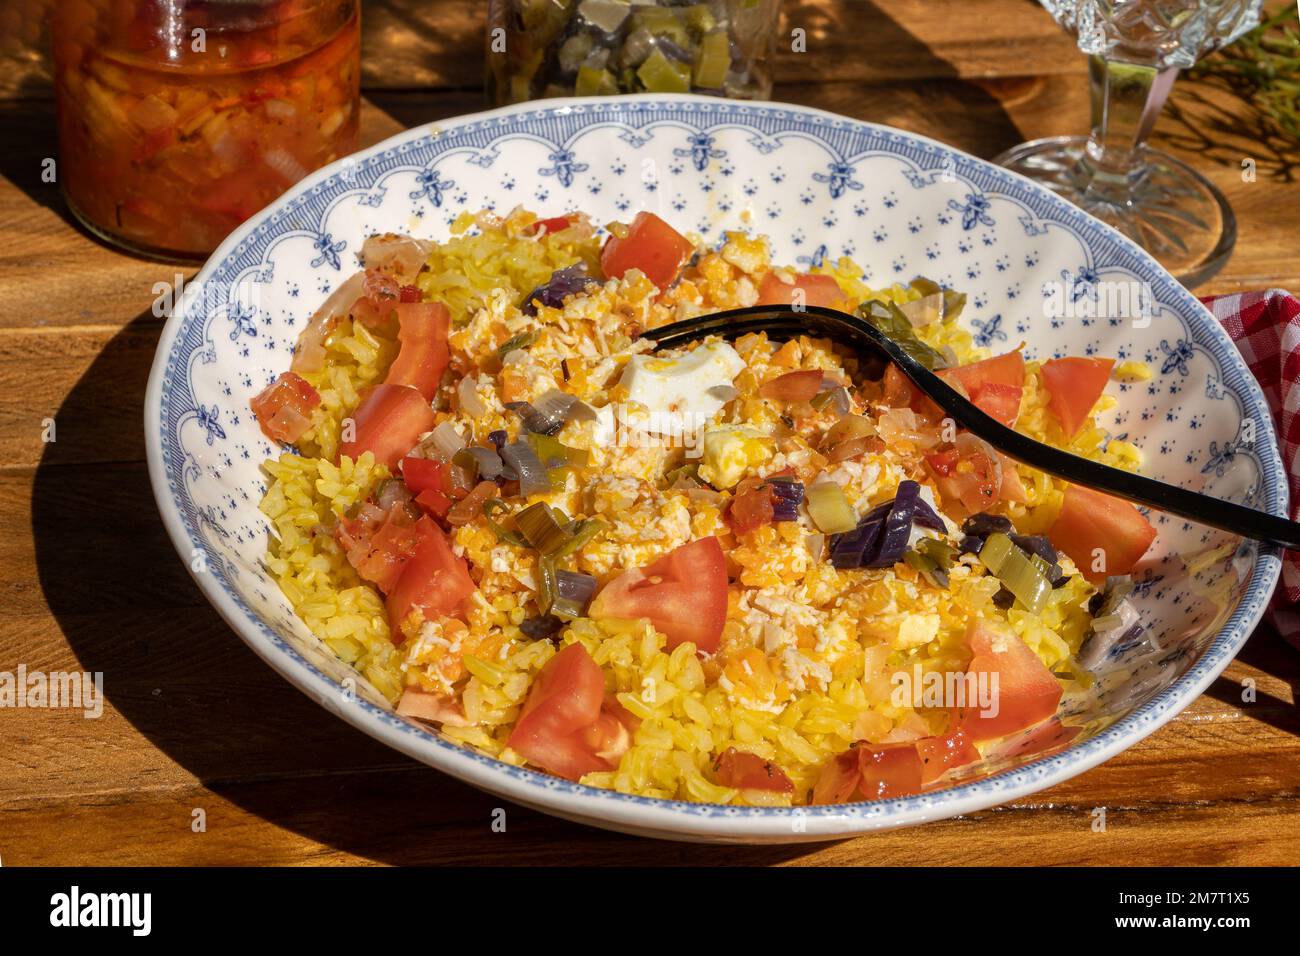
<point>193,721</point>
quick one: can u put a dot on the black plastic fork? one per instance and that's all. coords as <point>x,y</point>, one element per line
<point>784,322</point>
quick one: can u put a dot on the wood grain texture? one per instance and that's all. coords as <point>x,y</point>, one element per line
<point>193,720</point>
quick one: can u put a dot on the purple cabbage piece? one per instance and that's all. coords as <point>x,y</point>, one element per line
<point>983,524</point>
<point>881,537</point>
<point>1036,544</point>
<point>927,517</point>
<point>897,527</point>
<point>787,495</point>
<point>562,284</point>
<point>849,550</point>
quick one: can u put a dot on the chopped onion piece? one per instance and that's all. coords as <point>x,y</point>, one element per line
<point>447,441</point>
<point>467,393</point>
<point>309,353</point>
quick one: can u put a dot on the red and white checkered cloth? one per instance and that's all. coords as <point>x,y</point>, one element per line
<point>1266,328</point>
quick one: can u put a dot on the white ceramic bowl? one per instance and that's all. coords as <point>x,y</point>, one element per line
<point>1035,269</point>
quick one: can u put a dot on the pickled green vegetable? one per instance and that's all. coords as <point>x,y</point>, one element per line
<point>895,325</point>
<point>659,74</point>
<point>700,18</point>
<point>603,47</point>
<point>595,82</point>
<point>663,22</point>
<point>713,61</point>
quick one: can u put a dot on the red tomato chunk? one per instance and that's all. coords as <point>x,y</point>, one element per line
<point>284,407</point>
<point>388,422</point>
<point>683,594</point>
<point>567,726</point>
<point>652,246</point>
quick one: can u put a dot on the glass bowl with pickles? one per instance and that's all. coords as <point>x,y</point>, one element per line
<point>548,48</point>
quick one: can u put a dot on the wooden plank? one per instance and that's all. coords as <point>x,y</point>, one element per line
<point>408,45</point>
<point>418,818</point>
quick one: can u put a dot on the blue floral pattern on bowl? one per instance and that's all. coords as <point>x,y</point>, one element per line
<point>1036,270</point>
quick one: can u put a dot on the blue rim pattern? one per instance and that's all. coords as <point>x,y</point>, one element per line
<point>184,341</point>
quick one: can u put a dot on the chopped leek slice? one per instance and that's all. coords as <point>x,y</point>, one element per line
<point>520,341</point>
<point>546,586</point>
<point>1017,572</point>
<point>538,525</point>
<point>940,552</point>
<point>490,508</point>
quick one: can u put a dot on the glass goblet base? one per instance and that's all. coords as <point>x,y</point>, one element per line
<point>1161,203</point>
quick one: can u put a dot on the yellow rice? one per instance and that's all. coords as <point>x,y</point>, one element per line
<point>852,628</point>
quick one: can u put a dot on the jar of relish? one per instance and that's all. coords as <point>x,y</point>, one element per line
<point>179,119</point>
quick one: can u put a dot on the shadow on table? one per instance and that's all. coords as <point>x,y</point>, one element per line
<point>929,97</point>
<point>177,673</point>
<point>1268,653</point>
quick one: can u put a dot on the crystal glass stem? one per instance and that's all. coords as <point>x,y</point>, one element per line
<point>1126,100</point>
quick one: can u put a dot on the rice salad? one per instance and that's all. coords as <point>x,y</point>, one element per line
<point>704,574</point>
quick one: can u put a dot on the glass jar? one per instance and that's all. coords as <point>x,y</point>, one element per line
<point>179,119</point>
<point>542,48</point>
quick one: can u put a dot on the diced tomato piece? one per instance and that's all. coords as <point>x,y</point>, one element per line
<point>1013,489</point>
<point>1001,402</point>
<point>941,754</point>
<point>994,385</point>
<point>431,483</point>
<point>746,771</point>
<point>409,293</point>
<point>815,290</point>
<point>888,770</point>
<point>838,781</point>
<point>683,594</point>
<point>1026,690</point>
<point>974,482</point>
<point>380,549</point>
<point>652,246</point>
<point>423,705</point>
<point>1073,387</point>
<point>554,224</point>
<point>1091,521</point>
<point>434,502</point>
<point>943,462</point>
<point>752,508</point>
<point>284,407</point>
<point>426,474</point>
<point>434,581</point>
<point>423,328</point>
<point>389,422</point>
<point>1008,369</point>
<point>797,386</point>
<point>561,726</point>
